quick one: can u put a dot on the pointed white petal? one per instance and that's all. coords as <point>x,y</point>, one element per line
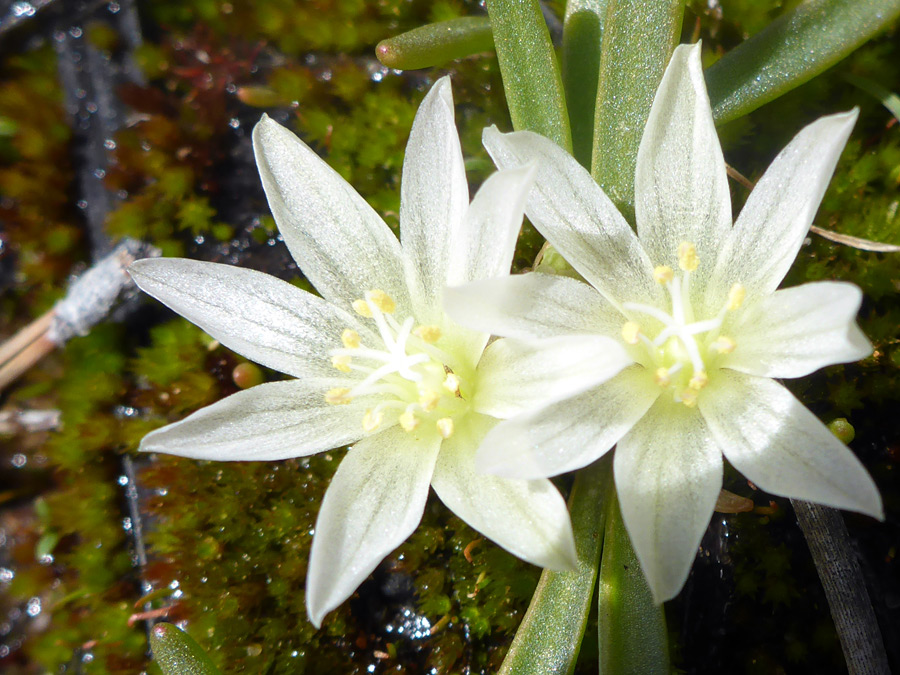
<point>515,376</point>
<point>527,518</point>
<point>796,331</point>
<point>770,437</point>
<point>668,473</point>
<point>533,305</point>
<point>570,434</point>
<point>574,214</point>
<point>258,316</point>
<point>342,246</point>
<point>434,196</point>
<point>680,186</point>
<point>373,504</point>
<point>271,421</point>
<point>779,211</point>
<point>483,247</point>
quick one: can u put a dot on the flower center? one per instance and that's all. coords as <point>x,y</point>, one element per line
<point>407,371</point>
<point>681,353</point>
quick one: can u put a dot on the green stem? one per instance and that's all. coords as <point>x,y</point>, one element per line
<point>638,39</point>
<point>791,50</point>
<point>529,68</point>
<point>632,628</point>
<point>436,43</point>
<point>550,635</point>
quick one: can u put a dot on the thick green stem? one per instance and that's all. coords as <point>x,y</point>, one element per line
<point>549,637</point>
<point>582,32</point>
<point>632,628</point>
<point>436,43</point>
<point>791,50</point>
<point>638,39</point>
<point>530,71</point>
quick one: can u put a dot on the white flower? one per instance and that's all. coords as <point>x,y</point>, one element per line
<point>377,362</point>
<point>693,302</point>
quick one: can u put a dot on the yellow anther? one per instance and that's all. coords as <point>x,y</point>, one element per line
<point>445,427</point>
<point>362,308</point>
<point>429,334</point>
<point>687,256</point>
<point>429,400</point>
<point>338,396</point>
<point>699,380</point>
<point>662,377</point>
<point>342,363</point>
<point>372,420</point>
<point>723,345</point>
<point>663,274</point>
<point>689,397</point>
<point>736,297</point>
<point>451,384</point>
<point>408,421</point>
<point>350,338</point>
<point>630,332</point>
<point>381,300</point>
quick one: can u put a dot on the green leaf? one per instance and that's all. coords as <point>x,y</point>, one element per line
<point>888,99</point>
<point>531,77</point>
<point>549,636</point>
<point>177,653</point>
<point>582,32</point>
<point>632,629</point>
<point>638,39</point>
<point>792,50</point>
<point>436,43</point>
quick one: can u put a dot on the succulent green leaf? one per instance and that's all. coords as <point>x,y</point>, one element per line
<point>638,39</point>
<point>792,50</point>
<point>436,43</point>
<point>550,635</point>
<point>632,629</point>
<point>888,99</point>
<point>177,653</point>
<point>531,76</point>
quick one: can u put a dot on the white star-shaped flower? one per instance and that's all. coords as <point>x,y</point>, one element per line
<point>377,362</point>
<point>693,302</point>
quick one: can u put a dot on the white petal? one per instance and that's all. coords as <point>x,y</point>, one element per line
<point>779,211</point>
<point>570,434</point>
<point>668,473</point>
<point>796,331</point>
<point>271,421</point>
<point>258,316</point>
<point>527,518</point>
<point>342,246</point>
<point>574,214</point>
<point>770,437</point>
<point>514,376</point>
<point>533,305</point>
<point>484,245</point>
<point>681,188</point>
<point>373,504</point>
<point>434,196</point>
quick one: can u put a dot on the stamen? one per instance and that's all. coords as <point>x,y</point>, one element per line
<point>429,400</point>
<point>445,427</point>
<point>687,256</point>
<point>381,300</point>
<point>630,332</point>
<point>663,274</point>
<point>736,297</point>
<point>662,377</point>
<point>350,338</point>
<point>408,421</point>
<point>699,380</point>
<point>689,397</point>
<point>362,308</point>
<point>341,362</point>
<point>429,334</point>
<point>451,384</point>
<point>338,396</point>
<point>723,345</point>
<point>372,420</point>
